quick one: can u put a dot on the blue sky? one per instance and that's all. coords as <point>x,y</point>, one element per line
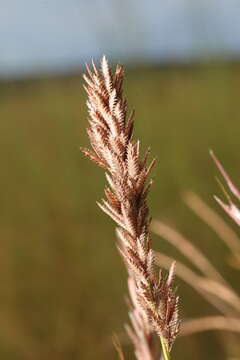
<point>57,35</point>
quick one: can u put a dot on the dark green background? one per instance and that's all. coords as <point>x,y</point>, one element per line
<point>62,283</point>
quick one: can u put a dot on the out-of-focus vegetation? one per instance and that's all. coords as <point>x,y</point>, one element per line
<point>62,283</point>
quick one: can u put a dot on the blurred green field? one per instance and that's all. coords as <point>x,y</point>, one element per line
<point>62,283</point>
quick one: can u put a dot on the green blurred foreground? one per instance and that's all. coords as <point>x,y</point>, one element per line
<point>62,283</point>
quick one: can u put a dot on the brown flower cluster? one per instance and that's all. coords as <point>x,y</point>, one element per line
<point>113,148</point>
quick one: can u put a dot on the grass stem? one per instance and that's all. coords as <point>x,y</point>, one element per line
<point>166,354</point>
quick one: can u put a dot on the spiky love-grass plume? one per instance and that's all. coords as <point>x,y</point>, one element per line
<point>110,131</point>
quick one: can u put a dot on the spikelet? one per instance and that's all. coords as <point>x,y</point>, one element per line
<point>231,209</point>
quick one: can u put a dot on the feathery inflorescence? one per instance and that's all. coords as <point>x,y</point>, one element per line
<point>113,148</point>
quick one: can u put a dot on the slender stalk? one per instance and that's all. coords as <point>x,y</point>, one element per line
<point>165,352</point>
